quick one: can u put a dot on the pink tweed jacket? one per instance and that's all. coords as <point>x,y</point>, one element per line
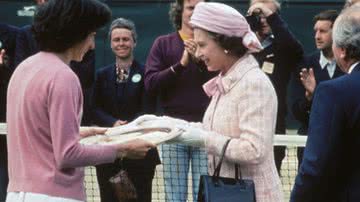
<point>246,112</point>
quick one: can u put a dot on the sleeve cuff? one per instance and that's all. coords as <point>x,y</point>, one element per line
<point>214,143</point>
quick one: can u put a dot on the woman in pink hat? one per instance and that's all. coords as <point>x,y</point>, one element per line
<point>243,105</point>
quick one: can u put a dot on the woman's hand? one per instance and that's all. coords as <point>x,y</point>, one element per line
<point>191,136</point>
<point>119,123</point>
<point>90,131</point>
<point>134,149</point>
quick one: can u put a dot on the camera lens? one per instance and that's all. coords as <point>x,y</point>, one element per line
<point>254,21</point>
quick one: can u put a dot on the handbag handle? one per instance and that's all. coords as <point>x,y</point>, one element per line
<point>216,174</point>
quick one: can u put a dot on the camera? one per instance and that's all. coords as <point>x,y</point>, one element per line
<point>254,21</point>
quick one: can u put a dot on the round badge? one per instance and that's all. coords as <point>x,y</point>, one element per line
<point>136,78</point>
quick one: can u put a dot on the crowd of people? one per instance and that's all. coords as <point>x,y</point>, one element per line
<point>218,77</point>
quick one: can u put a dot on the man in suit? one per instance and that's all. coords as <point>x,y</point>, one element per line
<point>7,47</point>
<point>330,170</point>
<point>26,46</point>
<point>279,58</point>
<point>317,67</point>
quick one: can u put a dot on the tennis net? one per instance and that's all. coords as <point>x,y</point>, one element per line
<point>288,170</point>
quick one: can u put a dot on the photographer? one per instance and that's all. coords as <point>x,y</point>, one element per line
<point>281,53</point>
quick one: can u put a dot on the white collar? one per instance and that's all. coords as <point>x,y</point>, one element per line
<point>352,67</point>
<point>323,61</point>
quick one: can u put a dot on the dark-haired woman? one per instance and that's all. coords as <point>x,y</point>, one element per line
<point>45,107</point>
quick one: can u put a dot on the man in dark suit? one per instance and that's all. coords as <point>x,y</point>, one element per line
<point>330,170</point>
<point>279,58</point>
<point>7,47</point>
<point>317,67</point>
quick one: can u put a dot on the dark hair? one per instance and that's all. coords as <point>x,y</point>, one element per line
<point>232,44</point>
<point>327,15</point>
<point>60,24</point>
<point>175,13</point>
<point>123,23</point>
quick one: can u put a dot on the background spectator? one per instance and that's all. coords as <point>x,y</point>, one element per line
<point>119,97</point>
<point>281,53</point>
<point>317,67</point>
<point>176,76</point>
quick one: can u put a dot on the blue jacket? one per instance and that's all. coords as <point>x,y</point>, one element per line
<point>301,106</point>
<point>125,101</point>
<point>330,169</point>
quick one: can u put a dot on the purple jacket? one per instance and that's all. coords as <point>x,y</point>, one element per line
<point>181,93</point>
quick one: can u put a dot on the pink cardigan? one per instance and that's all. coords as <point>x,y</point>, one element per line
<point>43,116</point>
<point>246,112</point>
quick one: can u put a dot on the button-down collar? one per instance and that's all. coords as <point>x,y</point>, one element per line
<point>329,64</point>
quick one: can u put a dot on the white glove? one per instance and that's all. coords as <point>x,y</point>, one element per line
<point>175,121</point>
<point>150,120</point>
<point>192,136</point>
<point>144,120</point>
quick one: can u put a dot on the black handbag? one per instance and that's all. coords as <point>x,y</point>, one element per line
<point>221,189</point>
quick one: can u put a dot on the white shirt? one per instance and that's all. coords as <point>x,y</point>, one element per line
<point>35,197</point>
<point>352,67</point>
<point>329,64</point>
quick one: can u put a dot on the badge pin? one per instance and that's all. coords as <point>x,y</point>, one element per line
<point>136,78</point>
<point>268,67</point>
